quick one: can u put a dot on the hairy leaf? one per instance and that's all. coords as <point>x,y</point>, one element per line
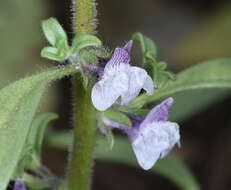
<point>83,41</point>
<point>19,102</point>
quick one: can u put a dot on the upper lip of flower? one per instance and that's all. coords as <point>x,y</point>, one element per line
<point>120,79</point>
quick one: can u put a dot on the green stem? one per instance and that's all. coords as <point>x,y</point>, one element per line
<point>84,112</point>
<point>85,13</point>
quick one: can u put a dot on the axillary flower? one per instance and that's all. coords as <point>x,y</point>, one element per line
<point>153,137</point>
<point>119,78</point>
<point>19,185</point>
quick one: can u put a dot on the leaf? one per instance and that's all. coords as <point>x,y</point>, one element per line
<point>189,103</point>
<point>37,130</point>
<point>117,117</point>
<point>53,31</point>
<point>209,74</point>
<point>51,53</point>
<point>83,41</point>
<point>169,167</point>
<point>147,45</point>
<point>19,102</point>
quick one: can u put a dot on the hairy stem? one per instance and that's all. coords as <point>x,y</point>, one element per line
<point>84,112</point>
<point>85,13</point>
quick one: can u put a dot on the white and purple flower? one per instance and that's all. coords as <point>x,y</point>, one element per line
<point>19,185</point>
<point>119,78</point>
<point>153,137</point>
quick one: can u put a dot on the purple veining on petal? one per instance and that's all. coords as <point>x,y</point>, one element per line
<point>19,185</point>
<point>159,112</point>
<point>120,79</point>
<point>128,47</point>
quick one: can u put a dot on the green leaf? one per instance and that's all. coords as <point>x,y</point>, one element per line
<point>147,45</point>
<point>51,53</point>
<point>189,103</point>
<point>37,130</point>
<point>170,167</point>
<point>107,132</point>
<point>210,74</point>
<point>83,41</point>
<point>117,117</point>
<point>53,31</point>
<point>19,102</point>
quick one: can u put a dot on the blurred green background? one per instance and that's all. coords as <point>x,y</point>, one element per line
<point>185,32</point>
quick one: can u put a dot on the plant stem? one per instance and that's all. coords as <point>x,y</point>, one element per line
<point>85,13</point>
<point>84,113</point>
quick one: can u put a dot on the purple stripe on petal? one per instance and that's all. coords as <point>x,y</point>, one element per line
<point>128,46</point>
<point>159,113</point>
<point>19,185</point>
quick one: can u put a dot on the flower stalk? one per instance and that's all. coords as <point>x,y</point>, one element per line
<point>84,112</point>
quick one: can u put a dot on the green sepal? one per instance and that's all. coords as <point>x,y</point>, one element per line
<point>117,117</point>
<point>108,133</point>
<point>83,41</point>
<point>53,31</point>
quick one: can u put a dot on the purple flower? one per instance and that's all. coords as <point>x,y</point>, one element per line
<point>119,78</point>
<point>153,137</point>
<point>19,185</point>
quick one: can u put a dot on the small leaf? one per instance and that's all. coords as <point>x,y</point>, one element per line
<point>107,132</point>
<point>209,74</point>
<point>51,53</point>
<point>83,41</point>
<point>37,130</point>
<point>117,117</point>
<point>19,102</point>
<point>53,31</point>
<point>147,45</point>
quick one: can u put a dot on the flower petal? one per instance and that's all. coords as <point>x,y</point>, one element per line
<point>19,185</point>
<point>159,112</point>
<point>138,79</point>
<point>107,91</point>
<point>128,46</point>
<point>155,141</point>
<point>120,56</point>
<point>149,144</point>
<point>174,136</point>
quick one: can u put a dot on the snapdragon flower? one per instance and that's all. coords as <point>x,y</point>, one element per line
<point>153,137</point>
<point>119,78</point>
<point>19,185</point>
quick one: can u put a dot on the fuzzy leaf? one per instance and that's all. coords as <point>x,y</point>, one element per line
<point>83,41</point>
<point>37,130</point>
<point>209,74</point>
<point>53,31</point>
<point>19,102</point>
